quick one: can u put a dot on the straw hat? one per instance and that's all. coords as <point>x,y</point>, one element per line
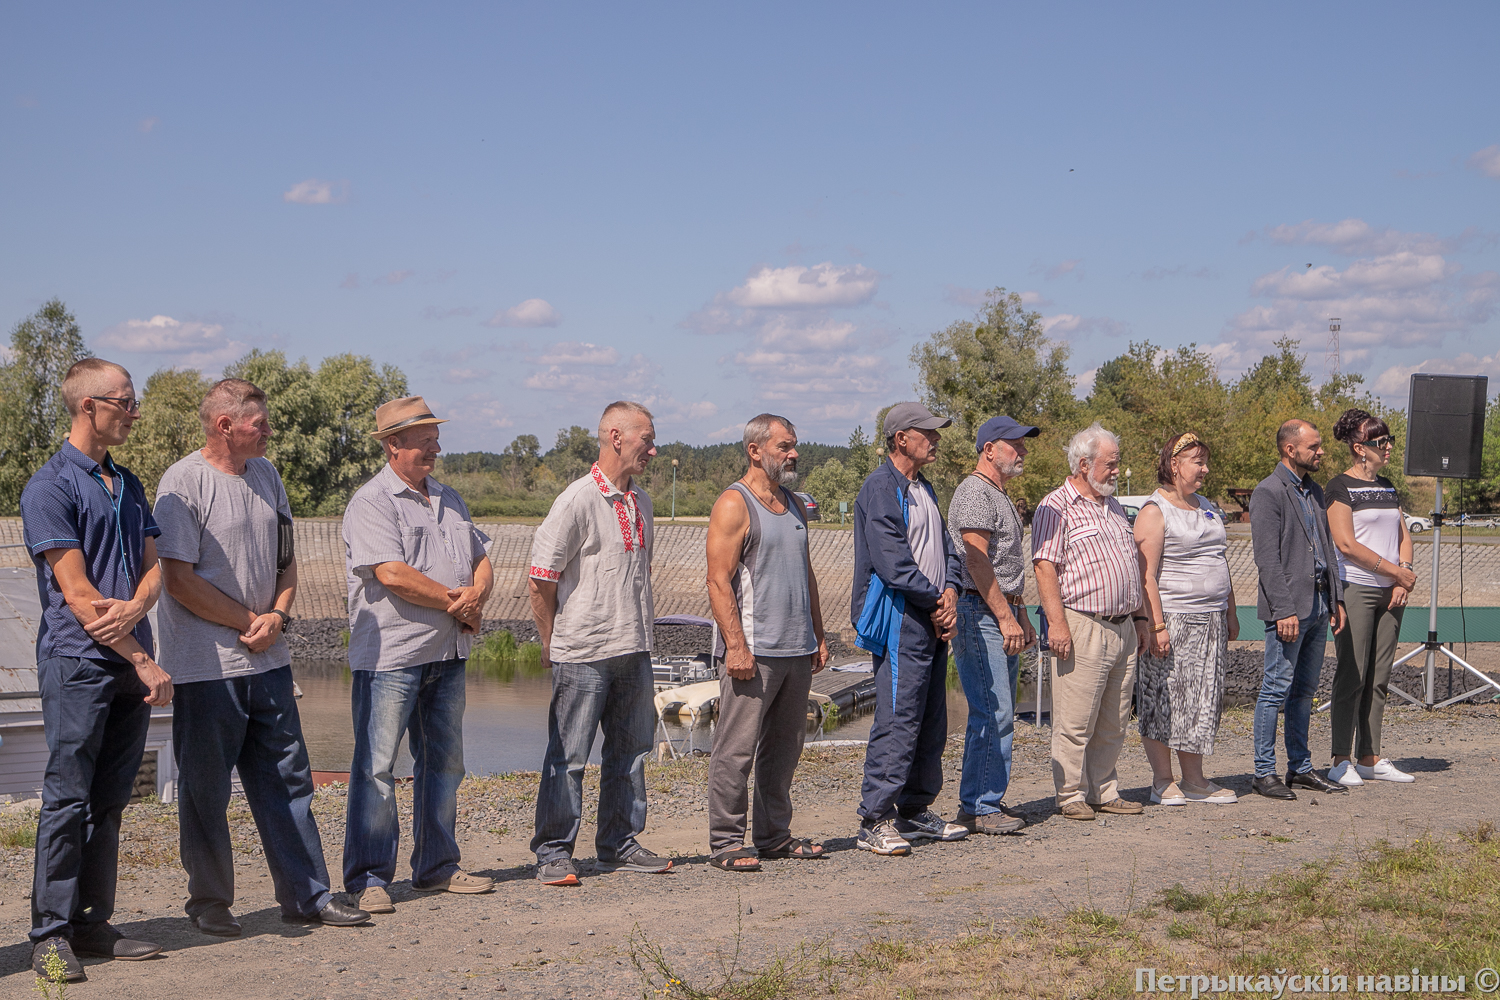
<point>399,414</point>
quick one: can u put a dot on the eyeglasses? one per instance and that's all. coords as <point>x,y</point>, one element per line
<point>1381,442</point>
<point>123,402</point>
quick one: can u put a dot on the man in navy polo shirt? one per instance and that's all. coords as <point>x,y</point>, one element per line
<point>90,530</point>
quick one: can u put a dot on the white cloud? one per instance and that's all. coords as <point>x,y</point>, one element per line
<point>193,344</point>
<point>1061,268</point>
<point>1071,325</point>
<point>1356,236</point>
<point>393,277</point>
<point>616,381</point>
<point>317,192</point>
<point>531,313</point>
<point>148,125</point>
<point>476,411</point>
<point>1033,300</point>
<point>961,296</point>
<point>1083,382</point>
<point>1396,379</point>
<point>1180,271</point>
<point>459,376</point>
<point>572,352</point>
<point>796,287</point>
<point>351,280</point>
<point>1487,161</point>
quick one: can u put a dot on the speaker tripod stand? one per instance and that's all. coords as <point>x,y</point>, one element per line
<point>1432,649</point>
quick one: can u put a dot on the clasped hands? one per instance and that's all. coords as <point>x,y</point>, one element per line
<point>466,606</point>
<point>945,615</point>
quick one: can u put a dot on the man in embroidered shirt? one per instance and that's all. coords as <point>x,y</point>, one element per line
<point>1089,579</point>
<point>591,596</point>
<point>418,580</point>
<point>904,604</point>
<point>90,532</point>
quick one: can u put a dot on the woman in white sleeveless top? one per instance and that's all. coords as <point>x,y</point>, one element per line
<point>1191,612</point>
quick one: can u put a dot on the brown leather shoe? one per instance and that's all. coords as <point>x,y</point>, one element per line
<point>1077,810</point>
<point>1120,807</point>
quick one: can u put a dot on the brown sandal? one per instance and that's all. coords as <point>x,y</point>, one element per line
<point>725,861</point>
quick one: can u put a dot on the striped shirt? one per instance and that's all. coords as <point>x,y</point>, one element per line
<point>388,521</point>
<point>1093,548</point>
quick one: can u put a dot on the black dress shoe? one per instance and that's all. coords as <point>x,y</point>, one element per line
<point>334,914</point>
<point>1313,780</point>
<point>1271,787</point>
<point>72,969</point>
<point>103,941</point>
<point>218,921</point>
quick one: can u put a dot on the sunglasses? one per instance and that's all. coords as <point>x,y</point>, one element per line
<point>123,402</point>
<point>1380,442</point>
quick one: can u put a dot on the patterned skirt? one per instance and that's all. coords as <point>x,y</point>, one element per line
<point>1179,697</point>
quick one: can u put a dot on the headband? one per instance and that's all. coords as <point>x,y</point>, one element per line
<point>1185,442</point>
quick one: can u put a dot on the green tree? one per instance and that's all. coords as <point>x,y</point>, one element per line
<point>1000,362</point>
<point>1148,394</point>
<point>322,420</point>
<point>572,454</point>
<point>838,480</point>
<point>168,428</point>
<point>33,420</point>
<point>521,457</point>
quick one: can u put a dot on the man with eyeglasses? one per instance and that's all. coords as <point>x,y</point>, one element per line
<point>90,531</point>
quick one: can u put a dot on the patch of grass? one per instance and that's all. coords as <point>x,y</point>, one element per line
<point>1427,904</point>
<point>789,974</point>
<point>18,830</point>
<point>498,655</point>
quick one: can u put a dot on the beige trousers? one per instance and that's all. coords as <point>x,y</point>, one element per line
<point>1091,708</point>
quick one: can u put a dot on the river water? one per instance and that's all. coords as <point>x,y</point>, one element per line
<point>505,719</point>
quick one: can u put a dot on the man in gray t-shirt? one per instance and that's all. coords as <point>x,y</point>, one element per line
<point>228,595</point>
<point>992,624</point>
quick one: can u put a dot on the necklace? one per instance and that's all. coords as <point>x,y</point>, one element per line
<point>770,503</point>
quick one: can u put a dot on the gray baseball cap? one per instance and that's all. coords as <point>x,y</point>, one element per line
<point>905,416</point>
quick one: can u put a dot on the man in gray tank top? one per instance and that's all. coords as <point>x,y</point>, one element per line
<point>765,599</point>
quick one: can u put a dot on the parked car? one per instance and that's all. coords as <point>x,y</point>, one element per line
<point>811,506</point>
<point>1416,525</point>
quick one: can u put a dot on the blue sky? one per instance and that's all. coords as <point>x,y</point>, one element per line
<point>720,210</point>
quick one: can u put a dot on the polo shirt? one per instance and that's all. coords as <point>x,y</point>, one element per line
<point>388,521</point>
<point>595,544</point>
<point>66,505</point>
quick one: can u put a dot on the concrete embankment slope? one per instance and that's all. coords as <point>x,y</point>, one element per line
<point>679,569</point>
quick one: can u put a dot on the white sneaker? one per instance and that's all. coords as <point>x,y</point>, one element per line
<point>1383,770</point>
<point>1345,773</point>
<point>1212,793</point>
<point>1168,795</point>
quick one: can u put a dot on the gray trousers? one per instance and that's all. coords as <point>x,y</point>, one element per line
<point>1365,649</point>
<point>762,721</point>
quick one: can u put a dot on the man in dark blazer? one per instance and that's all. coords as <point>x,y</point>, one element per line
<point>1300,594</point>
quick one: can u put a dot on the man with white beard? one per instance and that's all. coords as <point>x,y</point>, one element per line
<point>765,598</point>
<point>1089,579</point>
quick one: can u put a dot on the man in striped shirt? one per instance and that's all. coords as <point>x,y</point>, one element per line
<point>1089,578</point>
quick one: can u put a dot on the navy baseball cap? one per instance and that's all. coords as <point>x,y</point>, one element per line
<point>1002,429</point>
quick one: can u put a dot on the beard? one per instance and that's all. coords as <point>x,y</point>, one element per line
<point>1011,470</point>
<point>783,473</point>
<point>1106,488</point>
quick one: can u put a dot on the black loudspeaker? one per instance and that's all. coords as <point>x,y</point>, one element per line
<point>1445,425</point>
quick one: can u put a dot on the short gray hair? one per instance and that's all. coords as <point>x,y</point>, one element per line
<point>758,429</point>
<point>232,396</point>
<point>1085,444</point>
<point>615,409</point>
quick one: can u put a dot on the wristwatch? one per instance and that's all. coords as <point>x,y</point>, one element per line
<point>286,619</point>
<point>1406,565</point>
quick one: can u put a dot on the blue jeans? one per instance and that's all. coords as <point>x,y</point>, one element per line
<point>95,720</point>
<point>979,649</point>
<point>426,703</point>
<point>250,723</point>
<point>617,693</point>
<point>1289,682</point>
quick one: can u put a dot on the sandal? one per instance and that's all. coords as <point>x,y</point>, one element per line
<point>726,861</point>
<point>802,850</point>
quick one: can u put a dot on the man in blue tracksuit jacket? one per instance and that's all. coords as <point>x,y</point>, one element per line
<point>906,579</point>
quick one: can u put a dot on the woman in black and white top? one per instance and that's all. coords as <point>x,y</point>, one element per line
<point>1364,517</point>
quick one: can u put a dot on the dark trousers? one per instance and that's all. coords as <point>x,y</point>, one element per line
<point>904,761</point>
<point>250,723</point>
<point>95,717</point>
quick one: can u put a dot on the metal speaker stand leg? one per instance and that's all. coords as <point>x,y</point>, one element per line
<point>1432,648</point>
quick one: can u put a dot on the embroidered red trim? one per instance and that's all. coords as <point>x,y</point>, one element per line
<point>621,514</point>
<point>538,573</point>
